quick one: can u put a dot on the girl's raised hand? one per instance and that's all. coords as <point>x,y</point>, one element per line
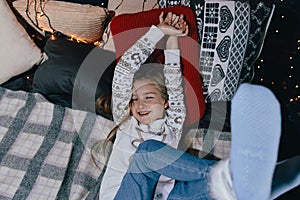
<point>173,25</point>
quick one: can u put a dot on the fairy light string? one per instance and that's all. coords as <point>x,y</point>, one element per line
<point>39,12</point>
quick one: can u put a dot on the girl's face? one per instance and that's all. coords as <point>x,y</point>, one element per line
<point>147,104</point>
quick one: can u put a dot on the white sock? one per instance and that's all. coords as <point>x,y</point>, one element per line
<point>255,129</point>
<point>220,182</point>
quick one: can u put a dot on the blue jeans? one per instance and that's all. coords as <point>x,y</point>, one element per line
<point>154,158</point>
<point>286,176</point>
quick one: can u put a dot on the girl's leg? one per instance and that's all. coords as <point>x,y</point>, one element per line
<point>154,158</point>
<point>187,190</point>
<point>286,176</point>
<point>256,129</point>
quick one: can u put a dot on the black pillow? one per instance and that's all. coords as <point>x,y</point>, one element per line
<point>75,74</point>
<point>216,117</point>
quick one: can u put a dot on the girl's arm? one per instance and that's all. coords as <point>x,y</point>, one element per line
<point>173,78</point>
<point>172,70</point>
<point>128,64</point>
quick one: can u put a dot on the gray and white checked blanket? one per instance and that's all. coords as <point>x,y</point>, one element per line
<point>45,149</point>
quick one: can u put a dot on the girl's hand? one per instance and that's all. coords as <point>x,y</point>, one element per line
<point>173,25</point>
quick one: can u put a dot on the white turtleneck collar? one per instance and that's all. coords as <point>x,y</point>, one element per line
<point>156,127</point>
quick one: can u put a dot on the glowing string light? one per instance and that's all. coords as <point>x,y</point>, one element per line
<point>52,37</point>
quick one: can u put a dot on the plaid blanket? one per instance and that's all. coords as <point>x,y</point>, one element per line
<point>209,142</point>
<point>45,149</point>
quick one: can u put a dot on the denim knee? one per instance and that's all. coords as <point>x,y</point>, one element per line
<point>150,145</point>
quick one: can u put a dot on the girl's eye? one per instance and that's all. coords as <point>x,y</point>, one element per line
<point>149,97</point>
<point>133,99</point>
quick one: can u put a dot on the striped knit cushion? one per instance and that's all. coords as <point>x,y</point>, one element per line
<point>80,21</point>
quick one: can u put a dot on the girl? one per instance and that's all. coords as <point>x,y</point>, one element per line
<point>250,173</point>
<point>147,102</point>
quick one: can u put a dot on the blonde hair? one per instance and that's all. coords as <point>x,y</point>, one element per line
<point>151,72</point>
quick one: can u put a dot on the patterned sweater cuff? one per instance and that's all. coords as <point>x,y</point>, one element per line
<point>172,56</point>
<point>154,34</point>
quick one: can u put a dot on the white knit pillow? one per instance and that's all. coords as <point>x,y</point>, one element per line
<point>80,21</point>
<point>18,53</point>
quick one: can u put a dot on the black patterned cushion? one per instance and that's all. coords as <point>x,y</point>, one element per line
<point>231,35</point>
<point>261,14</point>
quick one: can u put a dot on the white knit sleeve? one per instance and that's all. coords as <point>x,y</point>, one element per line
<point>128,64</point>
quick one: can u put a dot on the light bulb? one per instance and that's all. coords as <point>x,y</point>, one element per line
<point>97,43</point>
<point>52,37</point>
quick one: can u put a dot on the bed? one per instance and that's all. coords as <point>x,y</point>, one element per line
<point>50,80</point>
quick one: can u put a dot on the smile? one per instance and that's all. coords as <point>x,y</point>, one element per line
<point>143,113</point>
